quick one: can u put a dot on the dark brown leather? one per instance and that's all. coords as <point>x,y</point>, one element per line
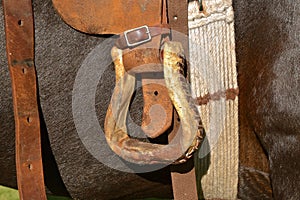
<point>178,15</point>
<point>183,182</point>
<point>20,52</point>
<point>183,176</point>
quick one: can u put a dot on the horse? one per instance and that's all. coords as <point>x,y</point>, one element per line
<point>267,42</point>
<point>268,68</point>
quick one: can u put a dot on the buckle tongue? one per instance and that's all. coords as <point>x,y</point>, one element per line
<point>139,41</point>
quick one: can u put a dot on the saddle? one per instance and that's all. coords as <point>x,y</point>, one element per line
<point>147,30</point>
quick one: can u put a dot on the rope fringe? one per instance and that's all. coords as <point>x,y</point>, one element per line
<point>214,85</point>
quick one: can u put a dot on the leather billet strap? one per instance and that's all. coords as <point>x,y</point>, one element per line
<point>183,177</point>
<point>19,31</point>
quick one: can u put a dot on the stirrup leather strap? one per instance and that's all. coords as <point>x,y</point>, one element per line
<point>19,31</point>
<point>184,186</point>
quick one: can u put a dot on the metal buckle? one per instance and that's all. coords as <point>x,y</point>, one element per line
<point>139,42</point>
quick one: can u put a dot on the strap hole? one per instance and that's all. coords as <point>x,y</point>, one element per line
<point>30,166</point>
<point>155,93</point>
<point>20,22</point>
<point>29,120</point>
<point>24,70</point>
<point>175,17</point>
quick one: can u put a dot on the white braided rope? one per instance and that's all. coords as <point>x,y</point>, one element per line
<point>213,71</point>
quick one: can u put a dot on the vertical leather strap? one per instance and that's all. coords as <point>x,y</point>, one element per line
<point>183,176</point>
<point>19,31</point>
<point>178,15</point>
<point>184,182</point>
<point>178,21</point>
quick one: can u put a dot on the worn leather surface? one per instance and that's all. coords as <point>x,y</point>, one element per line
<point>148,70</point>
<point>19,31</point>
<point>108,17</point>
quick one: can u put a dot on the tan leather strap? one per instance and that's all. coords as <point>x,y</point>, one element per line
<point>19,31</point>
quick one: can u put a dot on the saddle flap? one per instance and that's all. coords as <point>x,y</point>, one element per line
<point>109,17</point>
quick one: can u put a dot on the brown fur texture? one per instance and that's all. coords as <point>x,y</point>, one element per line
<point>267,41</point>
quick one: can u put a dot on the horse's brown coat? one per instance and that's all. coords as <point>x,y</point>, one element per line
<point>267,41</point>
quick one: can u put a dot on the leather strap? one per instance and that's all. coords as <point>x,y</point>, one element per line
<point>19,31</point>
<point>184,182</point>
<point>183,176</point>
